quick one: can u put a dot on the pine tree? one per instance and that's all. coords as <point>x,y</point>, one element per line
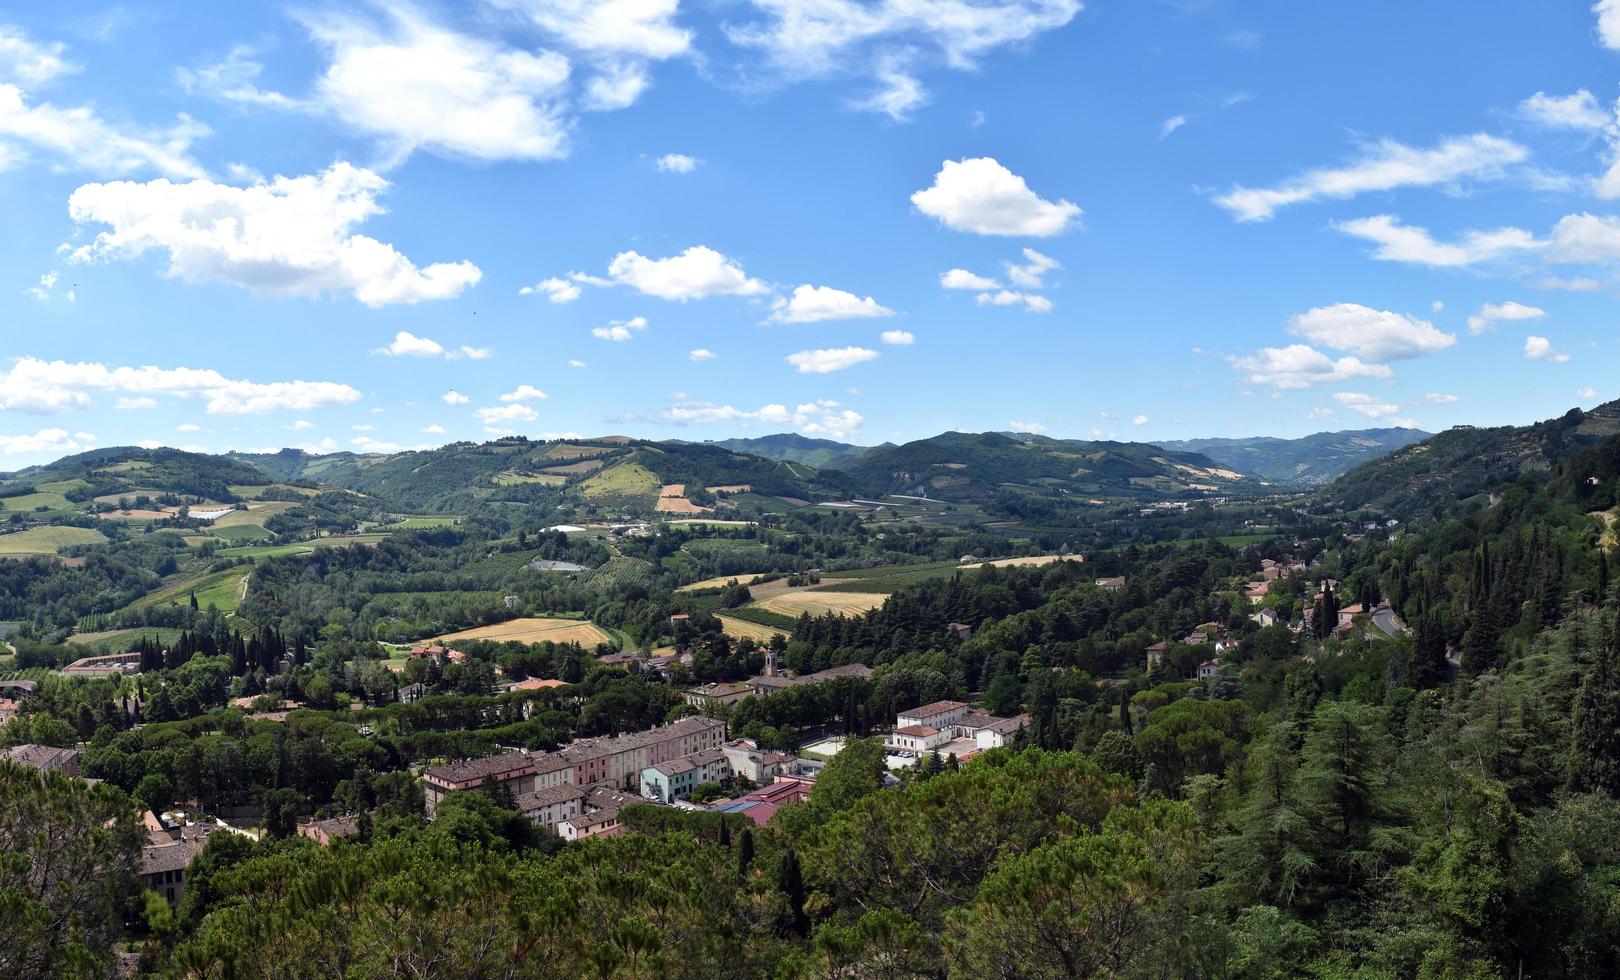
<point>745,850</point>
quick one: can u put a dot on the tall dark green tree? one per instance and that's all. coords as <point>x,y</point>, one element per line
<point>1594,757</point>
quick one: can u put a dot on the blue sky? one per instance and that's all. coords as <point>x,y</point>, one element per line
<point>382,225</point>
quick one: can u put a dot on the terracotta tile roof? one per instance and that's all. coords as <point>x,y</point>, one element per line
<point>468,770</point>
<point>930,710</point>
<point>917,731</point>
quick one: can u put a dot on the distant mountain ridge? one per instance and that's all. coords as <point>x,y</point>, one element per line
<point>966,466</point>
<point>793,448</point>
<point>1314,459</point>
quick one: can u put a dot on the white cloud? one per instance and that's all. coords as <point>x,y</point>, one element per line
<point>617,86</point>
<point>433,430</point>
<point>620,331</point>
<point>701,354</point>
<point>831,359</point>
<point>824,418</point>
<point>898,338</point>
<point>812,304</point>
<point>406,344</point>
<point>576,363</point>
<point>416,85</point>
<point>1439,398</point>
<point>1385,166</point>
<point>454,397</point>
<point>1573,284</point>
<point>1033,428</point>
<point>41,442</point>
<point>1033,303</point>
<point>1541,349</point>
<point>363,427</point>
<point>1585,238</point>
<point>46,289</point>
<point>963,279</point>
<point>188,427</point>
<point>149,444</point>
<point>619,37</point>
<point>1586,394</point>
<point>136,404</point>
<point>890,40</point>
<point>1139,420</point>
<point>83,140</point>
<point>236,79</point>
<point>1299,366</point>
<point>1366,405</point>
<point>299,425</point>
<point>34,385</point>
<point>524,393</point>
<point>556,290</point>
<point>291,237</point>
<point>981,196</point>
<point>1578,110</point>
<point>31,62</point>
<point>696,273</point>
<point>899,92</point>
<point>1490,313</point>
<point>1034,269</point>
<point>677,163</point>
<point>1608,23</point>
<point>1171,125</point>
<point>1369,334</point>
<point>515,412</point>
<point>1407,243</point>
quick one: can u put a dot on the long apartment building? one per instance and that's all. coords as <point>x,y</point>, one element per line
<point>618,760</point>
<point>615,761</point>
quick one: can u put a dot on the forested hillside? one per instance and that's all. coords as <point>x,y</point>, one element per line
<point>976,466</point>
<point>1427,479</point>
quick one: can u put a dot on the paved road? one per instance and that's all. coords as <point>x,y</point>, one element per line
<point>1386,621</point>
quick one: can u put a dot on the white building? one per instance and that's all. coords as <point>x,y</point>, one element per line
<point>918,738</point>
<point>940,714</point>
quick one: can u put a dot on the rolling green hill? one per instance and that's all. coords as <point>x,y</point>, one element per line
<point>1311,459</point>
<point>610,471</point>
<point>128,469</point>
<point>960,466</point>
<point>794,448</point>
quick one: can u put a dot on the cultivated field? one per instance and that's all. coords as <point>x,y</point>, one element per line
<point>222,589</point>
<point>545,479</point>
<point>257,513</point>
<point>577,468</point>
<point>741,629</point>
<point>623,480</point>
<point>586,634</point>
<point>47,540</point>
<point>819,603</point>
<point>672,500</point>
<point>1020,562</point>
<point>719,582</point>
<point>34,501</point>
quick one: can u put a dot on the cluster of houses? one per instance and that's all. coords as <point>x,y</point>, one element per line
<point>558,790</point>
<point>951,728</point>
<point>768,683</point>
<point>12,696</point>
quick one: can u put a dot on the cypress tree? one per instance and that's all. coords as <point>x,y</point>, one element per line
<point>1594,761</point>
